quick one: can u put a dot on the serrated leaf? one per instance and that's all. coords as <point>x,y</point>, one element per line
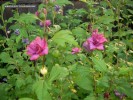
<point>83,82</point>
<point>103,81</point>
<point>26,99</point>
<point>106,19</point>
<point>3,92</point>
<point>99,64</point>
<point>82,79</point>
<point>79,32</point>
<point>64,36</point>
<point>90,97</point>
<point>131,11</point>
<point>27,18</point>
<point>58,72</point>
<point>20,82</point>
<point>40,88</point>
<point>126,88</point>
<point>5,57</point>
<point>124,70</point>
<point>18,38</point>
<point>3,72</point>
<point>23,32</point>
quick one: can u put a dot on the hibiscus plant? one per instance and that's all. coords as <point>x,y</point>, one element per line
<point>78,54</point>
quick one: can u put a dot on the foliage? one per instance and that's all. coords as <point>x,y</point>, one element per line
<point>93,75</point>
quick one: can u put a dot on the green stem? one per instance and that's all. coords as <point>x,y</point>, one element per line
<point>43,60</point>
<point>53,17</point>
<point>94,80</point>
<point>110,5</point>
<point>4,26</point>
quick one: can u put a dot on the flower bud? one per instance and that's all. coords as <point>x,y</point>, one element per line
<point>117,93</point>
<point>73,90</point>
<point>45,11</point>
<point>37,13</point>
<point>43,71</point>
<point>8,32</point>
<point>89,28</point>
<point>76,50</point>
<point>106,95</point>
<point>47,23</point>
<point>41,24</point>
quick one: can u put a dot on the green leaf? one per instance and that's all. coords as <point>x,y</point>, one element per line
<point>99,64</point>
<point>20,82</point>
<point>82,79</point>
<point>27,18</point>
<point>131,11</point>
<point>79,32</point>
<point>84,1</point>
<point>72,67</point>
<point>10,20</point>
<point>26,99</point>
<point>18,38</point>
<point>23,32</point>
<point>41,90</point>
<point>90,97</point>
<point>125,70</point>
<point>58,72</point>
<point>83,82</point>
<point>106,19</point>
<point>62,2</point>
<point>3,6</point>
<point>125,88</point>
<point>64,36</point>
<point>5,57</point>
<point>3,92</point>
<point>3,72</point>
<point>103,81</point>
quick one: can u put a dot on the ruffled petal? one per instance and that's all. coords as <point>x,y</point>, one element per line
<point>34,57</point>
<point>30,51</point>
<point>100,47</point>
<point>86,46</point>
<point>92,46</point>
<point>44,52</point>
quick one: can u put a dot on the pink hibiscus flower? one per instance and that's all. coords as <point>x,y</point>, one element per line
<point>37,48</point>
<point>96,41</point>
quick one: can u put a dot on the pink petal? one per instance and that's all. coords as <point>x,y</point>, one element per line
<point>76,50</point>
<point>43,43</point>
<point>86,46</point>
<point>44,52</point>
<point>30,51</point>
<point>100,47</point>
<point>73,52</point>
<point>95,31</point>
<point>102,39</point>
<point>34,57</point>
<point>90,40</point>
<point>92,46</point>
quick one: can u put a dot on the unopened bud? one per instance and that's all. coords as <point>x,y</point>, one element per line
<point>45,11</point>
<point>8,32</point>
<point>43,71</point>
<point>37,13</point>
<point>47,23</point>
<point>73,90</point>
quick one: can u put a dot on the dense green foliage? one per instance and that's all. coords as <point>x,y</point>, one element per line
<point>83,76</point>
